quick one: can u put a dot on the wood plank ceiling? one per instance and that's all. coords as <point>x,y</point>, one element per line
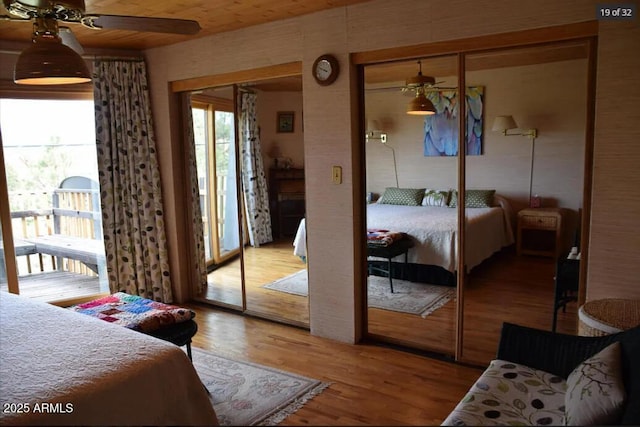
<point>217,16</point>
<point>214,16</point>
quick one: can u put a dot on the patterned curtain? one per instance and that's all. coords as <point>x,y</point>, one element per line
<point>254,183</point>
<point>131,196</point>
<point>200,264</point>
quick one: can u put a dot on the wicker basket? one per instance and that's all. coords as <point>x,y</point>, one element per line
<point>608,316</point>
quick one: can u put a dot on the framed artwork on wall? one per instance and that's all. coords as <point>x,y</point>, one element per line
<point>441,129</point>
<point>284,122</point>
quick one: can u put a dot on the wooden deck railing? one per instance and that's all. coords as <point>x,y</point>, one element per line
<point>69,212</point>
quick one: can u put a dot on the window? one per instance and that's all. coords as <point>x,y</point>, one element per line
<point>51,168</point>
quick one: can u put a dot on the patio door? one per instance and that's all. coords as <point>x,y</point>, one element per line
<point>50,187</point>
<point>214,133</point>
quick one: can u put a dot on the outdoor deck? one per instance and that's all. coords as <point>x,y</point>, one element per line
<point>56,285</point>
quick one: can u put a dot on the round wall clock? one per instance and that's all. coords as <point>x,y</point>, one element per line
<point>326,69</point>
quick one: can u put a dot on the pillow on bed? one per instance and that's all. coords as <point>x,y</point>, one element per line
<point>436,198</point>
<point>402,196</point>
<point>473,198</point>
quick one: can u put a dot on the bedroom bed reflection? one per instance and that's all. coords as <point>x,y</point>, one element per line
<point>408,212</point>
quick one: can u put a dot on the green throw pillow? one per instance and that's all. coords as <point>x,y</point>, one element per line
<point>473,198</point>
<point>595,390</point>
<point>436,198</point>
<point>402,196</point>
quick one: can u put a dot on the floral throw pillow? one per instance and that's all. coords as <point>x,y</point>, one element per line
<point>595,390</point>
<point>402,196</point>
<point>436,198</point>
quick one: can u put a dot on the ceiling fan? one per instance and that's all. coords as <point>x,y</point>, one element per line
<point>57,44</point>
<point>418,83</point>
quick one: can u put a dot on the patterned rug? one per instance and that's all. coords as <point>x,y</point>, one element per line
<point>408,297</point>
<point>245,394</point>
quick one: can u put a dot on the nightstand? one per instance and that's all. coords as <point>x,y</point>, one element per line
<point>540,232</point>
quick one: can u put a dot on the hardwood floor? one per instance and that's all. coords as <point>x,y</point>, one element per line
<point>505,288</point>
<point>262,265</point>
<point>370,384</point>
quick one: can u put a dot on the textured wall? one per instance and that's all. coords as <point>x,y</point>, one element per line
<point>330,126</point>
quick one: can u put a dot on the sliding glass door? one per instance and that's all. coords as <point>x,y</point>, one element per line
<point>214,134</point>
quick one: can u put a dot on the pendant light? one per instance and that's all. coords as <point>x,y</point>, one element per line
<point>47,61</point>
<point>420,105</point>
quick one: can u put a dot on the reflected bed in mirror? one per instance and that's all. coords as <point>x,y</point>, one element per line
<point>432,259</point>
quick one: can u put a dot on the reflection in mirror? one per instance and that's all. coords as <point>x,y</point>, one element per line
<point>261,177</point>
<point>531,219</point>
<point>275,274</point>
<point>411,174</point>
<point>216,159</point>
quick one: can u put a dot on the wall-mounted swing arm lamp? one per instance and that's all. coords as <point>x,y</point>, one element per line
<point>505,123</point>
<point>374,134</point>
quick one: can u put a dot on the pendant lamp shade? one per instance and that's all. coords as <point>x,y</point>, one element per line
<point>49,62</point>
<point>421,106</point>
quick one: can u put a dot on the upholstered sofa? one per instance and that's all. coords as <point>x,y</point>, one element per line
<point>545,378</point>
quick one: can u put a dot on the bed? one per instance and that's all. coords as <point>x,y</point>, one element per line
<point>64,368</point>
<point>433,230</point>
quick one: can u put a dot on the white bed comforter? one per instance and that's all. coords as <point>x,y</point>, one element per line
<point>65,368</point>
<point>433,231</point>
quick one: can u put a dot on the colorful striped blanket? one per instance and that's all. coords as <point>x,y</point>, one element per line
<point>377,237</point>
<point>134,312</point>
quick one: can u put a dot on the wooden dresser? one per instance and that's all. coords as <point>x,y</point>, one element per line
<point>286,200</point>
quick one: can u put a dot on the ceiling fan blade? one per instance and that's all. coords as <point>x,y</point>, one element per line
<point>140,23</point>
<point>69,39</point>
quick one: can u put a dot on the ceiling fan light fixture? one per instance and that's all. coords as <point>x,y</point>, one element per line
<point>421,106</point>
<point>48,62</point>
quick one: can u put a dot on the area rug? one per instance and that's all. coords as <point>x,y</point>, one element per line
<point>245,394</point>
<point>408,297</point>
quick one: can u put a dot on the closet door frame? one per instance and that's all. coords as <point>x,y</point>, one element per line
<point>585,31</point>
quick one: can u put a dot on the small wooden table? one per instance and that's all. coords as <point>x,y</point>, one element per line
<point>540,232</point>
<point>88,251</point>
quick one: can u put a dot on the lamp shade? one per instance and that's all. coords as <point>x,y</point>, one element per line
<point>48,62</point>
<point>503,123</point>
<point>373,126</point>
<point>421,106</point>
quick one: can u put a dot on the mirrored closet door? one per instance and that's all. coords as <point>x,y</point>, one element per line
<point>411,180</point>
<point>524,189</point>
<point>214,124</point>
<point>275,272</point>
<point>250,155</point>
